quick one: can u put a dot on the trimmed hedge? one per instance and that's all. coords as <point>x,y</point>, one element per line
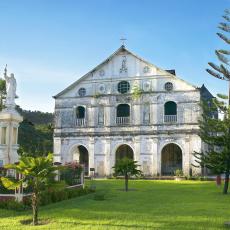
<point>53,196</point>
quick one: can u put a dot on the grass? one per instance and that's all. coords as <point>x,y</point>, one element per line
<point>149,205</point>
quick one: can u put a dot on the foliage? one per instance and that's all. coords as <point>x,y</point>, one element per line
<point>38,173</point>
<point>136,91</point>
<point>35,140</point>
<point>178,172</point>
<point>13,205</point>
<point>72,173</point>
<point>2,92</point>
<point>216,132</point>
<point>36,117</point>
<point>126,167</point>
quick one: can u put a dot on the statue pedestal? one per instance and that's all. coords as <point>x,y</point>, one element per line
<point>9,122</point>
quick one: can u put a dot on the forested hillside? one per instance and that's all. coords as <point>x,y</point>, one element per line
<point>36,117</point>
<point>35,133</point>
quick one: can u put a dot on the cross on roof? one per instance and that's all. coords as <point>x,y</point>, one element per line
<point>123,41</point>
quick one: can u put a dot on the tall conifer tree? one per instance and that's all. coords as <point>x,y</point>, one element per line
<point>213,131</point>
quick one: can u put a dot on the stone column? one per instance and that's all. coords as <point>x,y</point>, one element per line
<point>9,122</point>
<point>186,157</point>
<point>136,114</point>
<point>155,158</point>
<point>137,149</point>
<point>108,166</point>
<point>91,155</point>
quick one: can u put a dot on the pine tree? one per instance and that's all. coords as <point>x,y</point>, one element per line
<point>213,131</point>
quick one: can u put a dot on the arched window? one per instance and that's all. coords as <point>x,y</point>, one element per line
<point>170,108</point>
<point>123,110</point>
<point>80,112</point>
<point>170,112</point>
<point>123,114</point>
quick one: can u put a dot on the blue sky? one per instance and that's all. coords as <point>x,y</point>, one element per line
<point>49,44</point>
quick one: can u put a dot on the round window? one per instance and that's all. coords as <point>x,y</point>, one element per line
<point>123,87</point>
<point>82,92</point>
<point>168,86</point>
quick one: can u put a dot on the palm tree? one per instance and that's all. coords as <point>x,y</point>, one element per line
<point>126,167</point>
<point>37,173</point>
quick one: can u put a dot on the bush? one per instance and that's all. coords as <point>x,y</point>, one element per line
<point>13,205</point>
<point>46,197</point>
<point>178,172</point>
<point>72,173</point>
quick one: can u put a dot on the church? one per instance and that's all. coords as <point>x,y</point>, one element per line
<point>128,107</point>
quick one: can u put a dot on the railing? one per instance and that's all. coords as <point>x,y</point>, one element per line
<point>170,118</point>
<point>122,120</point>
<point>80,122</point>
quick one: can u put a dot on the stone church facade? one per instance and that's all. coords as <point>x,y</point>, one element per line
<point>129,107</point>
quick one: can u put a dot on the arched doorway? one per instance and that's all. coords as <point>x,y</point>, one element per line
<point>81,155</point>
<point>124,151</point>
<point>171,159</point>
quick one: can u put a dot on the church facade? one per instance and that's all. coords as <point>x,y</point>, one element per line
<point>128,107</point>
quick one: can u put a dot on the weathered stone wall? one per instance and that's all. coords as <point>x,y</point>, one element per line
<point>145,136</point>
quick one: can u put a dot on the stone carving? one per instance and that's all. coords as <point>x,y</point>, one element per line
<point>146,86</point>
<point>10,89</point>
<point>123,99</point>
<point>123,65</point>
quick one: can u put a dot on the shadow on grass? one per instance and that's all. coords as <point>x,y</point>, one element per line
<point>40,222</point>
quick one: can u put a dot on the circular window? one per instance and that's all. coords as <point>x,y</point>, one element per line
<point>146,69</point>
<point>82,92</point>
<point>101,72</point>
<point>101,88</point>
<point>123,87</point>
<point>168,86</point>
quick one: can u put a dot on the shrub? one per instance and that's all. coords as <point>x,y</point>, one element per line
<point>72,173</point>
<point>178,172</point>
<point>13,205</point>
<point>47,197</point>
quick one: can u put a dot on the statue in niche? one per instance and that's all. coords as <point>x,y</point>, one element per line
<point>101,115</point>
<point>10,89</point>
<point>123,65</point>
<point>146,113</point>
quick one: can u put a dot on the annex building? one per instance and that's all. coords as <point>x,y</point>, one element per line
<point>127,106</point>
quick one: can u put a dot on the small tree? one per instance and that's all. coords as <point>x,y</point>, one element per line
<point>126,167</point>
<point>37,173</point>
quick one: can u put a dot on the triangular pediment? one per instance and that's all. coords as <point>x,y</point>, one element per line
<point>122,64</point>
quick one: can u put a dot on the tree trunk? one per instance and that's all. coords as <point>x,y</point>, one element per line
<point>226,182</point>
<point>35,208</point>
<point>126,182</point>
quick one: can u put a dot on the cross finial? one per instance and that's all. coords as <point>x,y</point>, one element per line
<point>123,41</point>
<point>5,71</point>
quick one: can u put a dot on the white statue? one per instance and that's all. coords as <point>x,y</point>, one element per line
<point>10,90</point>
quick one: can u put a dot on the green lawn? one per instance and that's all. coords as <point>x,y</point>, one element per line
<point>153,205</point>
